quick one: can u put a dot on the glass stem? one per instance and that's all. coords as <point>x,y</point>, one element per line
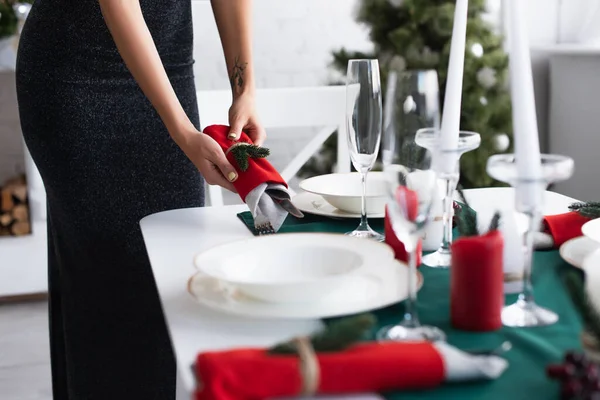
<point>411,316</point>
<point>533,220</point>
<point>450,187</point>
<point>363,200</point>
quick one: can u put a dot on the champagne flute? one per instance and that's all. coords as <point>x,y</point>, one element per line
<point>363,127</point>
<point>411,184</point>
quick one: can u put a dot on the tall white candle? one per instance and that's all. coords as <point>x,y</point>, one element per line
<point>452,100</point>
<point>527,144</point>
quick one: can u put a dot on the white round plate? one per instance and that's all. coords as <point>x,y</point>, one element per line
<point>311,203</point>
<point>293,267</point>
<point>575,251</point>
<point>591,229</point>
<point>344,191</point>
<point>384,285</point>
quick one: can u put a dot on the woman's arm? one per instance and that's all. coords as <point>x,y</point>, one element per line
<point>234,22</point>
<point>129,30</point>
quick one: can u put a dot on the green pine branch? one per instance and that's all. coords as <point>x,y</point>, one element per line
<point>338,336</point>
<point>466,221</point>
<point>576,289</point>
<point>243,152</point>
<point>587,209</point>
<point>495,222</point>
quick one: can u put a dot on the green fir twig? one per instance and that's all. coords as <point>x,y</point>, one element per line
<point>589,209</point>
<point>495,222</point>
<point>576,289</point>
<point>467,221</point>
<point>336,337</point>
<point>243,152</point>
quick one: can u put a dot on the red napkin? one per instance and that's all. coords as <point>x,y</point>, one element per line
<point>252,374</point>
<point>259,170</point>
<point>409,198</point>
<point>477,282</point>
<point>564,227</point>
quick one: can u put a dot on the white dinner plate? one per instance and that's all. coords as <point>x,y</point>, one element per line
<point>292,267</point>
<point>311,203</point>
<point>575,251</point>
<point>344,191</point>
<point>380,287</point>
<point>591,229</point>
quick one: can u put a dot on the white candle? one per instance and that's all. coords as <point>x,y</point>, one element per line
<point>452,100</point>
<point>527,145</point>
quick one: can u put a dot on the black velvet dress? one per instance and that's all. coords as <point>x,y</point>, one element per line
<point>107,161</point>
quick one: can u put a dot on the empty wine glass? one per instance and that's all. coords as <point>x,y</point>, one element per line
<point>363,123</point>
<point>529,201</point>
<point>411,184</point>
<point>411,103</point>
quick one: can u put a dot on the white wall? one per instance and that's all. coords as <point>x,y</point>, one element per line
<point>293,40</point>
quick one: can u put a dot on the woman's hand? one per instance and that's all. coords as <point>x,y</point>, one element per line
<point>242,117</point>
<point>209,158</point>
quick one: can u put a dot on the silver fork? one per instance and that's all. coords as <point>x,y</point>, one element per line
<point>264,229</point>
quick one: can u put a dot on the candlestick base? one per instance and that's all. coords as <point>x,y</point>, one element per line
<point>442,258</point>
<point>529,201</point>
<point>527,314</point>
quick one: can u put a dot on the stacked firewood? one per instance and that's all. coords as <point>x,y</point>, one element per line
<point>14,210</point>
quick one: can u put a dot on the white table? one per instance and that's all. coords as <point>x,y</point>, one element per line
<point>173,238</point>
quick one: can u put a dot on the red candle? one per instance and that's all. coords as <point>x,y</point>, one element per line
<point>477,282</point>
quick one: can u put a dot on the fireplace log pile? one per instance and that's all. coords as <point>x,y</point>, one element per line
<point>14,210</point>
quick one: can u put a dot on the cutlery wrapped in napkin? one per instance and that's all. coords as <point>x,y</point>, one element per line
<point>564,227</point>
<point>329,364</point>
<point>560,228</point>
<point>259,184</point>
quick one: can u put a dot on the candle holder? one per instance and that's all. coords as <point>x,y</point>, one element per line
<point>429,138</point>
<point>529,201</point>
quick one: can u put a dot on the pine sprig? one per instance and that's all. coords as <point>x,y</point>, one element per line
<point>242,152</point>
<point>467,221</point>
<point>336,337</point>
<point>591,317</point>
<point>495,222</point>
<point>589,209</point>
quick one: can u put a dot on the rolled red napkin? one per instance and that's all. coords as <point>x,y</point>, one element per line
<point>253,374</point>
<point>477,282</point>
<point>259,169</point>
<point>563,227</point>
<point>409,199</point>
<point>259,184</point>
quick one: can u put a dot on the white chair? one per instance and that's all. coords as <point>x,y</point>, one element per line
<point>287,108</point>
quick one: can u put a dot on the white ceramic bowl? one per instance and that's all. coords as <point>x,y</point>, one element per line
<point>291,268</point>
<point>591,230</point>
<point>344,191</point>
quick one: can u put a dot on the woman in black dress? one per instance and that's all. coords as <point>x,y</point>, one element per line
<point>108,111</point>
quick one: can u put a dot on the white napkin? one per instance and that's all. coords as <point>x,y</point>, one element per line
<point>271,203</point>
<point>461,366</point>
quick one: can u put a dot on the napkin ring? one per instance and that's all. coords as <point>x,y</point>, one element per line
<point>310,370</point>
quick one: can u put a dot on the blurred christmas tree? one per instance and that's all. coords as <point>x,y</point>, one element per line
<point>10,13</point>
<point>416,34</point>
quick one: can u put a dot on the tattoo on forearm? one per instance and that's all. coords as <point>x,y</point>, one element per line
<point>237,74</point>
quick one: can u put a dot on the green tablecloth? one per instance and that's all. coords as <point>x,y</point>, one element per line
<point>533,348</point>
